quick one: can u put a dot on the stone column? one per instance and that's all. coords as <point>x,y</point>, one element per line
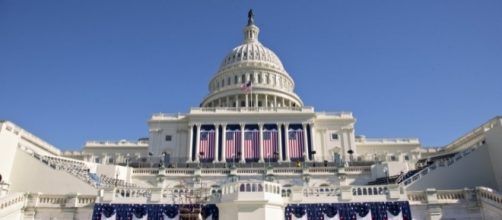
<point>279,130</point>
<point>286,140</point>
<point>243,160</point>
<point>306,151</point>
<point>190,142</point>
<point>247,100</point>
<point>197,143</point>
<point>256,100</point>
<point>223,142</point>
<point>275,101</point>
<point>216,142</point>
<point>260,125</point>
<point>312,138</point>
<point>237,101</point>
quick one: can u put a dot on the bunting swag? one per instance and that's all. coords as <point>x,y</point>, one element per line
<point>335,211</point>
<point>146,212</point>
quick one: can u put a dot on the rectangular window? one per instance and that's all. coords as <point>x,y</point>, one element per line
<point>334,136</point>
<point>393,158</point>
<point>406,157</point>
<point>110,160</point>
<point>169,137</point>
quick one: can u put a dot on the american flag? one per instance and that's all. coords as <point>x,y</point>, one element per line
<point>296,147</point>
<point>252,144</point>
<point>207,144</point>
<point>270,144</point>
<point>246,87</point>
<point>232,144</point>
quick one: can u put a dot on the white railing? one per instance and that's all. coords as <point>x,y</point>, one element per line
<point>163,116</point>
<point>145,171</point>
<point>59,200</point>
<point>475,133</point>
<point>11,200</point>
<point>251,171</point>
<point>440,164</point>
<point>27,136</point>
<point>455,196</point>
<point>388,140</point>
<point>251,109</point>
<point>132,193</point>
<point>336,114</point>
<point>92,143</point>
<point>488,195</point>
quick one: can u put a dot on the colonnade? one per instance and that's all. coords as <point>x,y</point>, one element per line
<point>194,153</point>
<point>252,100</point>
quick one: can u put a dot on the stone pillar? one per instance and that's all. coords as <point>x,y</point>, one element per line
<point>352,141</point>
<point>266,101</point>
<point>216,143</point>
<point>255,100</point>
<point>312,138</point>
<point>197,143</point>
<point>223,142</point>
<point>237,101</point>
<point>306,151</point>
<point>286,140</point>
<point>260,125</point>
<point>247,100</point>
<point>243,160</point>
<point>279,130</point>
<point>275,101</point>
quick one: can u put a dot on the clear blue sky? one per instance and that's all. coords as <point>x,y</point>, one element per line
<point>72,71</point>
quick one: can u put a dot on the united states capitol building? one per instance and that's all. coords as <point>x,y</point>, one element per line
<point>252,150</point>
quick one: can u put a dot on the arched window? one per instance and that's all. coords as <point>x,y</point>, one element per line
<point>242,188</point>
<point>248,187</point>
<point>260,188</point>
<point>253,189</point>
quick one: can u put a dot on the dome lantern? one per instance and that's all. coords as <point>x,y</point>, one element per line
<point>251,31</point>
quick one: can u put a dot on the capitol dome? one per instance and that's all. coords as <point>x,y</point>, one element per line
<point>252,52</point>
<point>251,75</point>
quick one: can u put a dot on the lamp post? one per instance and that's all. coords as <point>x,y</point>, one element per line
<point>117,172</point>
<point>312,155</point>
<point>150,154</point>
<point>163,159</point>
<point>386,172</point>
<point>350,152</point>
<point>201,154</point>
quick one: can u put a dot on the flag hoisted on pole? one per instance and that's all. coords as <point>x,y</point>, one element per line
<point>248,88</point>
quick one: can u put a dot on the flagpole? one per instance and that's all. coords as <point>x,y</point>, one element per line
<point>251,90</point>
